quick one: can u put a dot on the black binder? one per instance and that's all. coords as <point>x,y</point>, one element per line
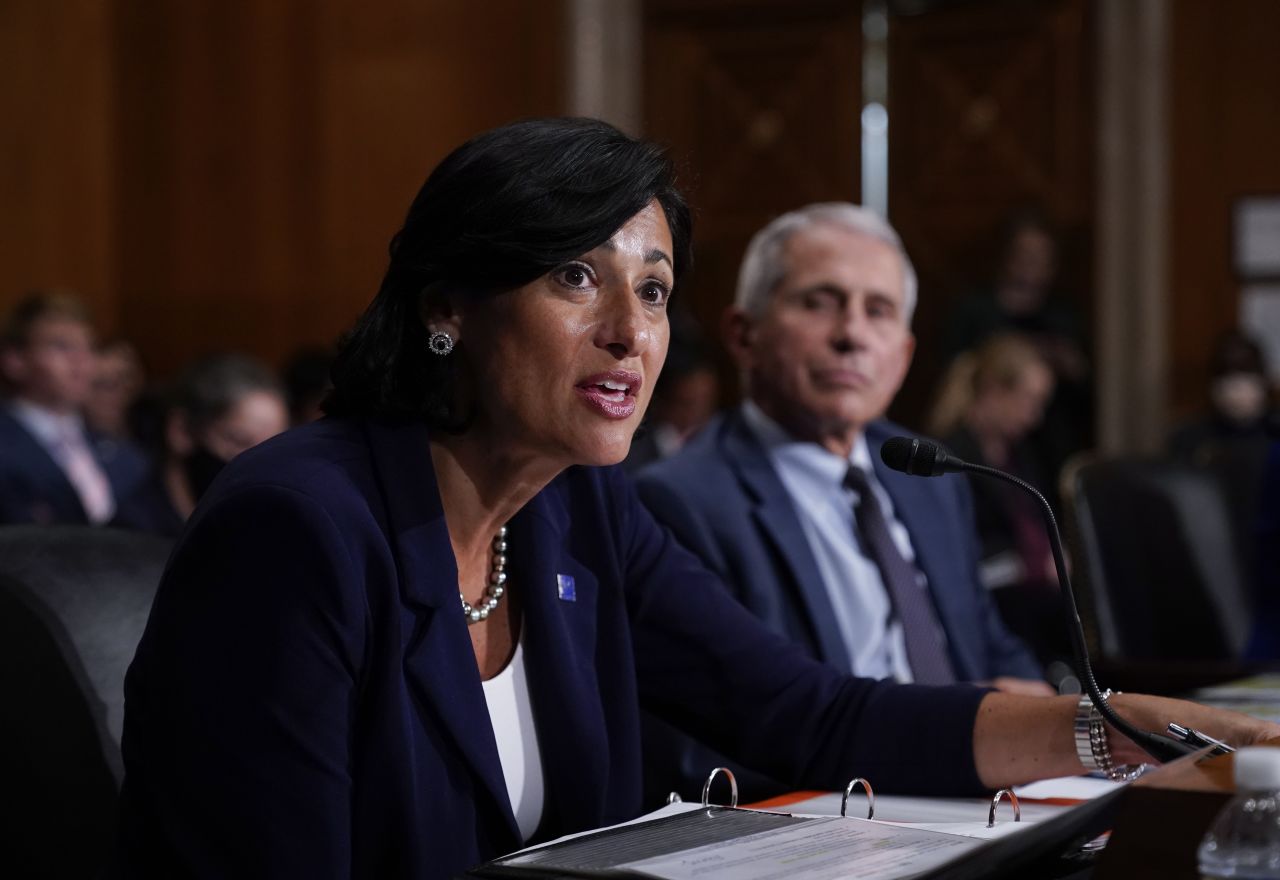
<point>1034,851</point>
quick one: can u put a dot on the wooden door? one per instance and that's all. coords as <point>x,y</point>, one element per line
<point>991,111</point>
<point>759,102</point>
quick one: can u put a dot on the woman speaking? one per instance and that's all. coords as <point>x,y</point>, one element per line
<point>419,633</point>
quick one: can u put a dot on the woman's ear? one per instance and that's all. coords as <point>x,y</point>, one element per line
<point>439,312</point>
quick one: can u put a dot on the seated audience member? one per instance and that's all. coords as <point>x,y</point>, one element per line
<point>1240,404</point>
<point>220,407</point>
<point>118,380</point>
<point>786,499</point>
<point>416,634</point>
<point>54,468</point>
<point>1022,299</point>
<point>306,383</point>
<point>990,400</point>
<point>1233,438</point>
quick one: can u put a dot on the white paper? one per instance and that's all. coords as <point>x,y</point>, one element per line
<point>824,849</point>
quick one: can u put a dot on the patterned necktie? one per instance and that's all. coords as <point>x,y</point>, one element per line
<point>85,475</point>
<point>911,601</point>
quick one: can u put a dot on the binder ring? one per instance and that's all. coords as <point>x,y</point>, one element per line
<point>674,798</point>
<point>733,787</point>
<point>871,798</point>
<point>1013,799</point>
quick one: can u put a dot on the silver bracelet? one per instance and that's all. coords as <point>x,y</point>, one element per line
<point>1092,747</point>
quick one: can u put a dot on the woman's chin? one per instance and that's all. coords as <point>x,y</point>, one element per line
<point>605,452</point>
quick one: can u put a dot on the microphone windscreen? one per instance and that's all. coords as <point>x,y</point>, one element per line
<point>898,453</point>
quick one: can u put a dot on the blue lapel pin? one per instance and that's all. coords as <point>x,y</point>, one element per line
<point>565,588</point>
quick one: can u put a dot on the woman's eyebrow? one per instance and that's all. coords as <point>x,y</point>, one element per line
<point>658,256</point>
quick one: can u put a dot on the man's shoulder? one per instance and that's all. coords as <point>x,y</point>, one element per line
<point>705,462</point>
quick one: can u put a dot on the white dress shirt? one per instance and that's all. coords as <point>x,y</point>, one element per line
<point>814,478</point>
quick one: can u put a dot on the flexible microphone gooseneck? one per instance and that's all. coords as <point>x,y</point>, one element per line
<point>924,458</point>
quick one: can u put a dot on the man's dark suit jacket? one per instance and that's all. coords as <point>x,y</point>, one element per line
<point>306,703</point>
<point>723,500</point>
<point>34,489</point>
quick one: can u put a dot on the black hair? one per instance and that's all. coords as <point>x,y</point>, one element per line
<point>501,210</point>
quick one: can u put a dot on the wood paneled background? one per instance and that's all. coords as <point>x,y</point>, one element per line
<point>220,175</point>
<point>215,175</point>
<point>759,101</point>
<point>990,113</point>
<point>1224,143</point>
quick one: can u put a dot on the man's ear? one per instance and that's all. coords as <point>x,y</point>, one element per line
<point>438,312</point>
<point>739,332</point>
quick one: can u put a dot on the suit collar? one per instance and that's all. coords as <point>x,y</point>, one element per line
<point>776,516</point>
<point>17,442</point>
<point>559,636</point>
<point>437,647</point>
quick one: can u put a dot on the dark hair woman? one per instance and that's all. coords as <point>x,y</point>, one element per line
<point>418,633</point>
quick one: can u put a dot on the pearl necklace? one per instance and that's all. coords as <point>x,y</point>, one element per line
<point>497,586</point>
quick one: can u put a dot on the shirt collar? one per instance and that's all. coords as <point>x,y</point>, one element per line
<point>49,427</point>
<point>804,456</point>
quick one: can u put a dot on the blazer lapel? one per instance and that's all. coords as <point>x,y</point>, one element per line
<point>560,604</point>
<point>63,501</point>
<point>776,516</point>
<point>438,657</point>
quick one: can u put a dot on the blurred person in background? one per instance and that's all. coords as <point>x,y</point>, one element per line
<point>221,406</point>
<point>1233,437</point>
<point>684,400</point>
<point>306,382</point>
<point>1022,299</point>
<point>1240,403</point>
<point>989,403</point>
<point>53,467</point>
<point>118,380</point>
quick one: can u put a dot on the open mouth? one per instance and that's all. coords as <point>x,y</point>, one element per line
<point>612,394</point>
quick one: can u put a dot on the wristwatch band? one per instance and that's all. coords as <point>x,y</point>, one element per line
<point>1092,747</point>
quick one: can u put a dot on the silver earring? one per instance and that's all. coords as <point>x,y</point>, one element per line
<point>440,343</point>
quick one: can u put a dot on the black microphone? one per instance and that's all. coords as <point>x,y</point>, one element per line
<point>925,458</point>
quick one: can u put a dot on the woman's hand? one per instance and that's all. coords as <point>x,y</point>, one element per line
<point>1019,739</point>
<point>1155,713</point>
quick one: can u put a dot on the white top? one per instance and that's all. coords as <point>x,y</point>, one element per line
<point>511,714</point>
<point>814,478</point>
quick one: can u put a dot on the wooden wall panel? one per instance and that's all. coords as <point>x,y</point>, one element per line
<point>1225,143</point>
<point>270,149</point>
<point>56,182</point>
<point>990,112</point>
<point>227,175</point>
<point>759,102</point>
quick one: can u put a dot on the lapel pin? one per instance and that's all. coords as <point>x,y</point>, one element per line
<point>565,588</point>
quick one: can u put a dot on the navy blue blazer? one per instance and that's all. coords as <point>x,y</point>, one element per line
<point>34,489</point>
<point>305,701</point>
<point>724,501</point>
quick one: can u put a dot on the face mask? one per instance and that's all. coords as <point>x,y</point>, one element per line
<point>1240,397</point>
<point>201,466</point>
